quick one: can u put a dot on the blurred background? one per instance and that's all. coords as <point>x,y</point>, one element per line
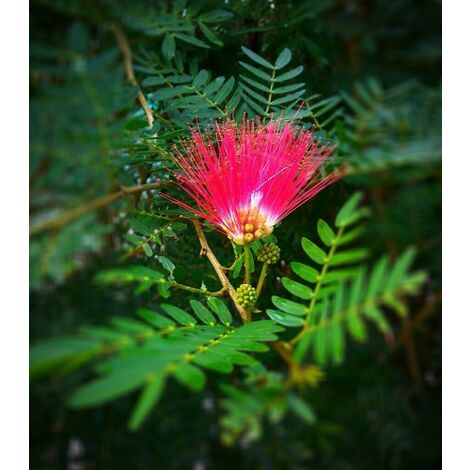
<point>372,70</point>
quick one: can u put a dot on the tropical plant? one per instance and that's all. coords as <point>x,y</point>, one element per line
<point>227,202</point>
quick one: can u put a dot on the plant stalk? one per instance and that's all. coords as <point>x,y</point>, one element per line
<point>247,263</point>
<point>261,279</point>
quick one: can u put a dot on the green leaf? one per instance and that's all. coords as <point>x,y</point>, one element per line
<point>297,289</point>
<point>209,34</point>
<point>255,84</point>
<point>287,89</point>
<point>351,235</point>
<point>167,93</point>
<point>234,100</point>
<point>356,327</point>
<point>286,99</point>
<point>108,388</point>
<point>147,249</point>
<point>339,275</point>
<point>216,16</point>
<point>256,107</point>
<point>337,342</point>
<point>190,376</point>
<point>254,94</point>
<point>325,233</point>
<point>346,214</point>
<point>200,79</point>
<point>220,309</point>
<point>191,40</point>
<point>213,361</point>
<point>47,355</point>
<point>307,273</point>
<point>130,325</point>
<point>135,124</point>
<point>257,58</point>
<point>155,319</point>
<point>302,347</point>
<point>400,268</point>
<point>147,400</point>
<point>284,318</point>
<point>168,46</point>
<point>167,264</point>
<point>237,267</point>
<point>288,306</point>
<point>349,257</point>
<point>164,289</point>
<point>377,278</point>
<point>152,81</point>
<point>224,91</point>
<point>179,315</point>
<point>357,289</point>
<point>314,252</point>
<point>103,333</point>
<point>283,58</point>
<point>301,408</point>
<point>376,315</point>
<point>291,74</point>
<point>203,314</point>
<point>321,336</point>
<point>255,71</point>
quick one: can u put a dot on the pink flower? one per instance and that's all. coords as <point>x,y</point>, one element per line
<point>244,179</point>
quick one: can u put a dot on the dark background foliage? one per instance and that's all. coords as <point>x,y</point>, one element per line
<point>381,407</point>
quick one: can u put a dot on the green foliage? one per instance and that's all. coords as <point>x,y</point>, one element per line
<point>178,25</point>
<point>263,396</point>
<point>390,127</point>
<point>343,295</point>
<point>271,83</point>
<point>374,93</point>
<point>142,354</point>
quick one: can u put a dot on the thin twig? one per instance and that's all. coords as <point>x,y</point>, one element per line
<point>206,251</point>
<point>125,49</point>
<point>177,285</point>
<point>90,206</point>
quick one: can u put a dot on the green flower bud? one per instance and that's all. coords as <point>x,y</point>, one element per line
<point>246,295</point>
<point>269,253</point>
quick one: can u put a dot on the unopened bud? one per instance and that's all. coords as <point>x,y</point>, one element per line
<point>269,253</point>
<point>246,295</point>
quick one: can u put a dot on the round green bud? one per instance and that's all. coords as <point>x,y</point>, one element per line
<point>246,295</point>
<point>269,253</point>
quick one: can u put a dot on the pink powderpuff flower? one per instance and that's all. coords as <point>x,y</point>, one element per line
<point>246,178</point>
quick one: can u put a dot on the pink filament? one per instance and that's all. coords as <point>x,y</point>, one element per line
<point>271,168</point>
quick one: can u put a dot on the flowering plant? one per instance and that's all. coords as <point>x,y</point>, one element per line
<point>173,266</point>
<point>251,176</point>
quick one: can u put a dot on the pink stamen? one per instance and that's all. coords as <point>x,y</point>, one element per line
<point>252,176</point>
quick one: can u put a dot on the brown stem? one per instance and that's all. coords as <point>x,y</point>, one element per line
<point>206,251</point>
<point>177,285</point>
<point>89,206</point>
<point>125,49</point>
<point>283,350</point>
<point>409,325</point>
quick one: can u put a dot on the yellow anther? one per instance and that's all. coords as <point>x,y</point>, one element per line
<point>248,237</point>
<point>259,233</point>
<point>268,230</point>
<point>249,227</point>
<point>240,240</point>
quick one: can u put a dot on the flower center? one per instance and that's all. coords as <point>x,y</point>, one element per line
<point>252,223</point>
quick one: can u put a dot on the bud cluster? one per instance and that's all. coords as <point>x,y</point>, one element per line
<point>246,295</point>
<point>269,253</point>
